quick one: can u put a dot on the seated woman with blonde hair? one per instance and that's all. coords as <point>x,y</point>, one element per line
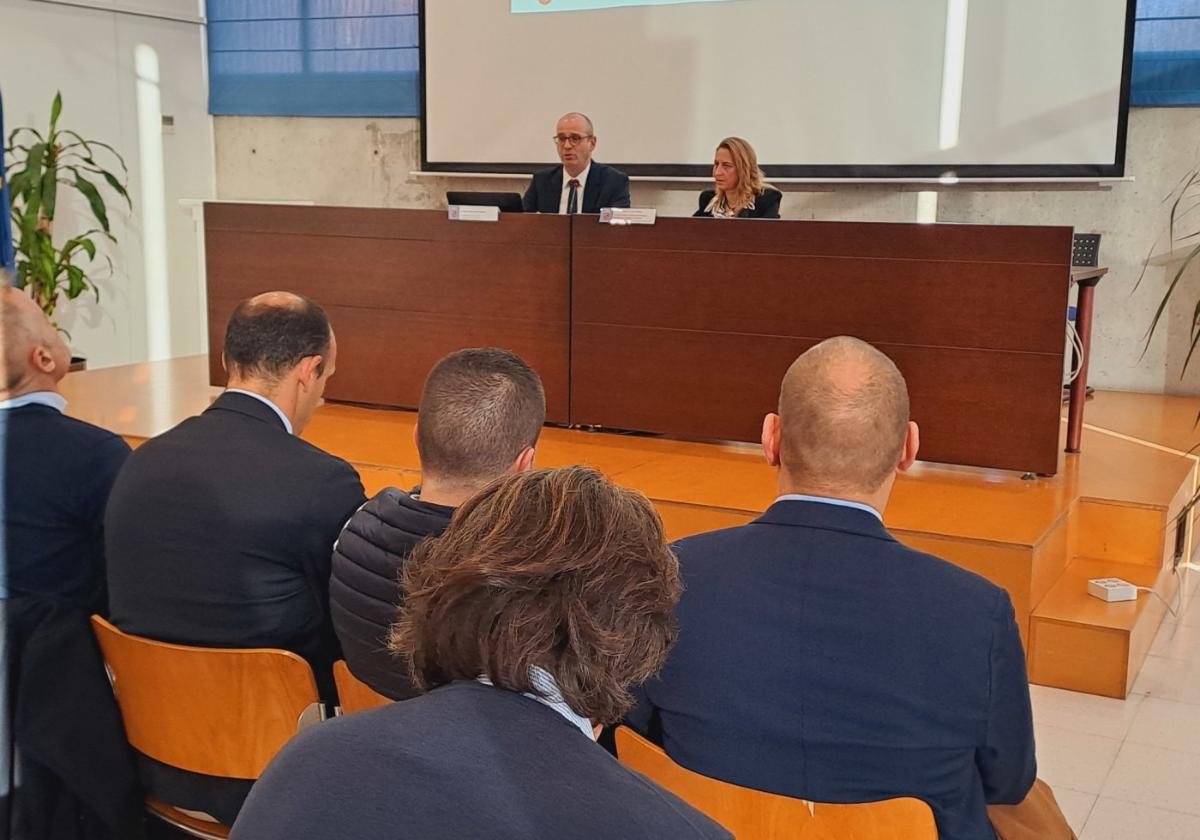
<point>742,191</point>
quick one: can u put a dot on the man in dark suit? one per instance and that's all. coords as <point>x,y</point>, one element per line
<point>820,658</point>
<point>61,730</point>
<point>219,531</point>
<point>580,185</point>
<point>57,471</point>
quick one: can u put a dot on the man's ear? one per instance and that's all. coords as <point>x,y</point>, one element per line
<point>912,443</point>
<point>770,438</point>
<point>309,371</point>
<point>524,461</point>
<point>42,359</point>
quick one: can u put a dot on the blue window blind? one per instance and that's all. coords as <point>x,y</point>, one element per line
<point>1166,53</point>
<point>314,58</point>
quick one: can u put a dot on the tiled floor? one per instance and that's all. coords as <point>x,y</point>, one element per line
<point>1128,770</point>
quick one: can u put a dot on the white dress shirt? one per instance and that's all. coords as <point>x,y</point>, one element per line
<point>287,424</point>
<point>53,399</point>
<point>827,500</point>
<point>550,696</point>
<point>566,189</point>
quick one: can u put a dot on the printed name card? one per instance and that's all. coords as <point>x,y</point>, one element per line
<point>469,213</point>
<point>628,216</point>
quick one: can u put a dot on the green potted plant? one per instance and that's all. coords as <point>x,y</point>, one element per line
<point>38,165</point>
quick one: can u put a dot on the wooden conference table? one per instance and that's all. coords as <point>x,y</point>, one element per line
<point>683,328</point>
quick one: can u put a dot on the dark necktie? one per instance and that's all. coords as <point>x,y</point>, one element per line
<point>573,197</point>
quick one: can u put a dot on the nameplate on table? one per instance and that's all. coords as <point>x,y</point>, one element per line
<point>471,213</point>
<point>628,215</point>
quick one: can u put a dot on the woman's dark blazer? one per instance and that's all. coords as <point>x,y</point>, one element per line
<point>766,206</point>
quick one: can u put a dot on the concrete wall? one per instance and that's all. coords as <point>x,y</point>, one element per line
<point>368,162</point>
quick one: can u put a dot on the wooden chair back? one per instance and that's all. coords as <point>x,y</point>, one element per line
<point>757,815</point>
<point>354,695</point>
<point>207,710</point>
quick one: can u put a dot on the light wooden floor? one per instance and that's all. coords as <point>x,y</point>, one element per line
<point>703,485</point>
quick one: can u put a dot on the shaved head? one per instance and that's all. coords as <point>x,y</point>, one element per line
<point>843,411</point>
<point>33,351</point>
<point>575,115</point>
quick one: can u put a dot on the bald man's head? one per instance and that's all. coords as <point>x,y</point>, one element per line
<point>843,411</point>
<point>35,356</point>
<point>583,119</point>
<point>270,333</point>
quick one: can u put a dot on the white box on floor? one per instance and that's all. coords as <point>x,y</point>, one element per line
<point>1112,589</point>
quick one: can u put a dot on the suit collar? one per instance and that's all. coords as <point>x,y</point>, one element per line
<point>825,516</point>
<point>591,189</point>
<point>247,405</point>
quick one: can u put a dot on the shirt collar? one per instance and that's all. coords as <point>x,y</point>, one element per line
<point>283,418</point>
<point>581,177</point>
<point>53,399</point>
<point>826,500</point>
<point>548,695</point>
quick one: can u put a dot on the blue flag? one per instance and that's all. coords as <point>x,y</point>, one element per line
<point>6,242</point>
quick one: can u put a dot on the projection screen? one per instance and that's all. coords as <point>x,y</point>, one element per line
<point>822,88</point>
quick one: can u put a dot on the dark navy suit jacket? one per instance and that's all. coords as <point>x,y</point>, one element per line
<point>820,658</point>
<point>605,187</point>
<point>57,473</point>
<point>465,761</point>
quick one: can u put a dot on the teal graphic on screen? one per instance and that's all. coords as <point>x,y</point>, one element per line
<point>523,6</point>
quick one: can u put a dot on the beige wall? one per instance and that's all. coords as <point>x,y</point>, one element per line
<point>367,162</point>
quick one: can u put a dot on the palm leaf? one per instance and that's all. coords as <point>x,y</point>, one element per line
<point>1162,305</point>
<point>55,110</point>
<point>111,179</point>
<point>94,200</point>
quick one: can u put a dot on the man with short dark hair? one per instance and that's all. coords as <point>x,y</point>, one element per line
<point>480,416</point>
<point>818,657</point>
<point>580,185</point>
<point>219,531</point>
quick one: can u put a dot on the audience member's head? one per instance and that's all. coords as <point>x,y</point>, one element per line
<point>736,173</point>
<point>480,416</point>
<point>843,427</point>
<point>575,140</point>
<point>35,356</point>
<point>280,345</point>
<point>554,569</point>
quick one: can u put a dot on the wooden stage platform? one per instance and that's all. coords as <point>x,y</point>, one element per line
<point>1110,510</point>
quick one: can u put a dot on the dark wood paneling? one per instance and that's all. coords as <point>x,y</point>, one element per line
<point>687,327</point>
<point>718,386</point>
<point>861,240</point>
<point>506,279</point>
<point>881,300</point>
<point>376,366</point>
<point>402,289</point>
<point>381,223</point>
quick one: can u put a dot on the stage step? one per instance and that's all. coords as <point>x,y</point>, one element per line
<point>1081,643</point>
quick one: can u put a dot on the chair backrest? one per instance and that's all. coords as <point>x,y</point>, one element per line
<point>207,710</point>
<point>354,695</point>
<point>767,816</point>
